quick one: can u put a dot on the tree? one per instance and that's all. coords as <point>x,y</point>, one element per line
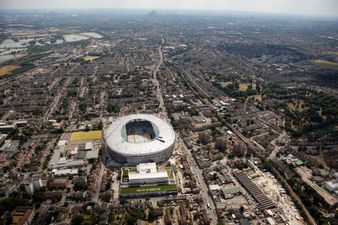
<point>82,106</point>
<point>134,215</point>
<point>151,215</point>
<point>77,220</point>
<point>112,108</point>
<point>123,201</point>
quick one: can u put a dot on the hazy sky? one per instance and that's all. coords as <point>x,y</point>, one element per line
<point>311,7</point>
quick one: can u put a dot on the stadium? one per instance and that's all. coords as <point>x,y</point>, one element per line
<point>140,138</point>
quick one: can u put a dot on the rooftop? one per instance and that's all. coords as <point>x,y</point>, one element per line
<point>146,168</point>
<point>142,176</point>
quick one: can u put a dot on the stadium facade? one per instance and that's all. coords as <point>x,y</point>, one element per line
<point>140,138</point>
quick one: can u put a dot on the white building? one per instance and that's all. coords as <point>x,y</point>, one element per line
<point>148,178</point>
<point>147,174</point>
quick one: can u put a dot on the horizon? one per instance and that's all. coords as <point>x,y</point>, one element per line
<point>183,12</point>
<point>311,8</point>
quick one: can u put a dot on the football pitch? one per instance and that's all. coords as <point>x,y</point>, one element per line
<point>84,136</point>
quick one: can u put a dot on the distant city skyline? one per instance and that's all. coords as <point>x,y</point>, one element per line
<point>297,7</point>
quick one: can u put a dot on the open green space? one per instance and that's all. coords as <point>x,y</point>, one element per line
<point>327,64</point>
<point>148,189</point>
<point>170,173</point>
<point>125,173</point>
<point>7,69</point>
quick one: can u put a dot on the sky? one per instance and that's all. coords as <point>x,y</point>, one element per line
<point>298,7</point>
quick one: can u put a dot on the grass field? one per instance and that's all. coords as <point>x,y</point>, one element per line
<point>7,69</point>
<point>327,64</point>
<point>147,189</point>
<point>170,173</point>
<point>83,136</point>
<point>90,58</point>
<point>243,86</point>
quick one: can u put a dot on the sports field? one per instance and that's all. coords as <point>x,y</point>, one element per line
<point>84,136</point>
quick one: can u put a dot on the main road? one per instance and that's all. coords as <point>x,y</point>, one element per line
<point>59,96</point>
<point>194,168</point>
<point>98,183</point>
<point>163,112</point>
<point>204,191</point>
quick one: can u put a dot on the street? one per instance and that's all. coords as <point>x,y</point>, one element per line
<point>201,183</point>
<point>98,184</point>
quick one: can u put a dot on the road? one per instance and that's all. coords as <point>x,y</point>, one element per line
<point>163,112</point>
<point>201,183</point>
<point>276,148</point>
<point>102,104</point>
<point>56,101</point>
<point>57,98</point>
<point>115,185</point>
<point>98,184</point>
<point>194,168</point>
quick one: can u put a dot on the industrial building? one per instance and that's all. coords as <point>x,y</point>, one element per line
<point>140,138</point>
<point>9,146</point>
<point>61,165</point>
<point>263,201</point>
<point>64,163</point>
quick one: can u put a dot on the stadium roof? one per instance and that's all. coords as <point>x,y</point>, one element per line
<point>116,141</point>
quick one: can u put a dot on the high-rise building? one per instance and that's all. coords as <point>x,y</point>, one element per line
<point>37,183</point>
<point>29,187</point>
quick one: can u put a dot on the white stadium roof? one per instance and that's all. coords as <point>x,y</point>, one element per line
<point>165,136</point>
